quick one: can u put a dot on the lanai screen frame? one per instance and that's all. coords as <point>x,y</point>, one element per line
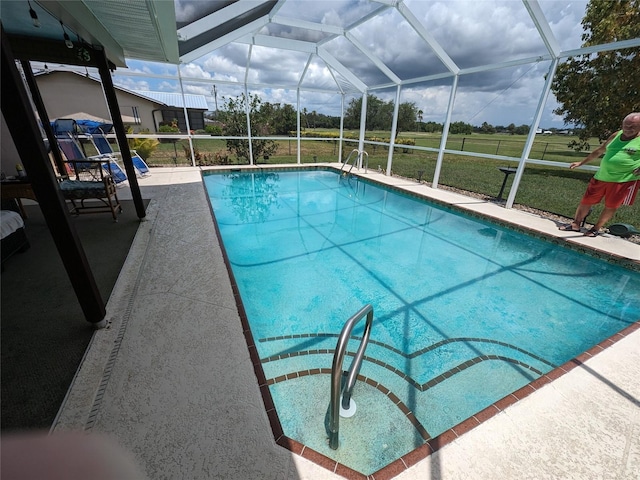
<point>349,84</point>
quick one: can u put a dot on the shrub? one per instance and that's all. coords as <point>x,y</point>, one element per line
<point>143,146</point>
<point>199,157</point>
<point>203,159</point>
<point>221,158</point>
<point>213,130</point>
<point>169,127</point>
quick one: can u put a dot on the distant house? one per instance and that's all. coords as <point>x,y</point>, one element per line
<point>70,94</point>
<point>172,107</point>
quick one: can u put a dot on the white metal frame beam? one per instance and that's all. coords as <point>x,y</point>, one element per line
<point>544,95</point>
<point>314,26</point>
<point>427,37</point>
<point>248,29</point>
<point>374,58</point>
<point>215,19</point>
<point>605,47</point>
<point>281,43</point>
<point>542,25</point>
<point>332,62</point>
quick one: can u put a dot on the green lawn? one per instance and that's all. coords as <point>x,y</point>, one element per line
<point>553,189</point>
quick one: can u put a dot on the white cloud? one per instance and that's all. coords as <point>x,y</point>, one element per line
<point>197,89</point>
<point>432,101</point>
<point>565,19</point>
<point>132,83</point>
<point>318,74</point>
<point>472,33</point>
<point>481,32</point>
<point>168,87</point>
<point>229,63</point>
<point>192,70</point>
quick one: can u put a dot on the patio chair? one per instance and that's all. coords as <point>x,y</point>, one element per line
<point>64,126</point>
<point>72,151</point>
<point>89,179</point>
<point>103,146</point>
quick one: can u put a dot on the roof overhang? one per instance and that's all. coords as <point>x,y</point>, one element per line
<point>140,29</point>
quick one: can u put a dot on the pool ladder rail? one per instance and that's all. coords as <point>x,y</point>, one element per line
<point>360,155</point>
<point>346,406</point>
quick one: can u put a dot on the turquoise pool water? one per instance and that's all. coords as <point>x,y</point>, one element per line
<point>466,312</point>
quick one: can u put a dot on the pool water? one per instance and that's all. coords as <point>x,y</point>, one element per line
<point>465,311</point>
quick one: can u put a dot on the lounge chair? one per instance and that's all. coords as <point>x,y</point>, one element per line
<point>73,151</point>
<point>103,146</point>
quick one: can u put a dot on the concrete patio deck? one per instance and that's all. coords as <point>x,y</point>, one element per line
<point>170,377</point>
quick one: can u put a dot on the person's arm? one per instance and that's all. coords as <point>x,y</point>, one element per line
<point>597,153</point>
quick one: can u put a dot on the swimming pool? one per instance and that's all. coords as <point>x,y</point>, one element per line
<point>466,312</point>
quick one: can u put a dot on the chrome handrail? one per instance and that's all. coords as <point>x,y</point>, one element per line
<point>358,158</point>
<point>336,370</point>
<point>366,166</point>
<point>346,162</point>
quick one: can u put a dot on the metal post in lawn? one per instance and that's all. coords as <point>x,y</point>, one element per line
<point>175,151</point>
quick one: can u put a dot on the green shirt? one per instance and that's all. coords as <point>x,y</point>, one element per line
<point>620,160</point>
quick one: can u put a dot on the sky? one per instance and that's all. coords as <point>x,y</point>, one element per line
<point>471,33</point>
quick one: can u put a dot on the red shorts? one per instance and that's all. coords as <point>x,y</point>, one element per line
<point>615,194</point>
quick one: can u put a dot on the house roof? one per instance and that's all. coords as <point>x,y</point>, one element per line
<point>198,102</point>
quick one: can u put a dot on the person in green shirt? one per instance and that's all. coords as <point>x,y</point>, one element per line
<point>617,179</point>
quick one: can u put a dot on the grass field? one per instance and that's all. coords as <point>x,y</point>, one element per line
<point>553,189</point>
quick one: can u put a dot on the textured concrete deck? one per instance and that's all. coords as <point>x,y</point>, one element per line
<point>171,379</point>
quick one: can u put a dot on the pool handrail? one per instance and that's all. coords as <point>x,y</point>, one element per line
<point>358,158</point>
<point>354,369</point>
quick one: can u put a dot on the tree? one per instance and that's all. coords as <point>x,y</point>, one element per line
<point>433,127</point>
<point>325,121</point>
<point>460,127</point>
<point>380,114</point>
<point>407,112</point>
<point>282,119</point>
<point>487,128</point>
<point>235,119</point>
<point>597,90</point>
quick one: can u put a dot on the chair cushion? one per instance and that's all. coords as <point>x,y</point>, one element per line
<point>79,189</point>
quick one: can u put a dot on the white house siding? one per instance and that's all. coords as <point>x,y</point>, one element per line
<point>67,93</point>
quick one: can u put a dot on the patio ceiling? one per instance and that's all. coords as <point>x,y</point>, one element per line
<point>144,30</point>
